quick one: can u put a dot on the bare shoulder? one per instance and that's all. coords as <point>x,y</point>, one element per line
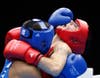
<point>21,69</point>
<point>58,44</point>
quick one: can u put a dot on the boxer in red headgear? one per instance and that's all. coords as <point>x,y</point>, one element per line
<point>76,36</point>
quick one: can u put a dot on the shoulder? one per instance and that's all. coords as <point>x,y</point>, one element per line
<point>22,69</point>
<point>58,44</point>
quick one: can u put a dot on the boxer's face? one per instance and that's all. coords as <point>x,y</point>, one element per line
<point>72,26</point>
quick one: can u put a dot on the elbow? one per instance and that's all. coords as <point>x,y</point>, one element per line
<point>55,71</point>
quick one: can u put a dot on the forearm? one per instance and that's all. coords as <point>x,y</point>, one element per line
<point>50,66</point>
<point>54,64</point>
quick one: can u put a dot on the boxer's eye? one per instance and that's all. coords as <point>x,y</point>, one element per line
<point>74,40</point>
<point>43,43</point>
<point>64,25</point>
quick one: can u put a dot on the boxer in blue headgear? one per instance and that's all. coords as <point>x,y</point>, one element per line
<point>38,34</point>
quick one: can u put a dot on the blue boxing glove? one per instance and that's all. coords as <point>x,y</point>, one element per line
<point>60,17</point>
<point>74,67</point>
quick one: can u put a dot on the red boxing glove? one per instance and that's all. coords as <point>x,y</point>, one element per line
<point>12,34</point>
<point>75,39</point>
<point>16,49</point>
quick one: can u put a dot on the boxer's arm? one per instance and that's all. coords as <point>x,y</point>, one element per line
<point>20,69</point>
<point>52,65</point>
<point>56,62</point>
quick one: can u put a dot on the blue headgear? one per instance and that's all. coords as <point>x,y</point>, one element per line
<point>38,34</point>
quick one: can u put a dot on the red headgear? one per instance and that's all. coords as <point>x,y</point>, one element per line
<point>75,39</point>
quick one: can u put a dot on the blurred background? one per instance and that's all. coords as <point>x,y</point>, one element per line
<point>14,13</point>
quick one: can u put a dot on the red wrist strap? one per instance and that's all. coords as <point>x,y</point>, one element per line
<point>38,59</point>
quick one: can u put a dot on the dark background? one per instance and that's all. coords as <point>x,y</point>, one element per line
<point>13,14</point>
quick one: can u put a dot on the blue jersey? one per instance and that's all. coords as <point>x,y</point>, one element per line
<point>5,71</point>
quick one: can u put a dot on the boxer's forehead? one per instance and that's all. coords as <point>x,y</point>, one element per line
<point>72,26</point>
